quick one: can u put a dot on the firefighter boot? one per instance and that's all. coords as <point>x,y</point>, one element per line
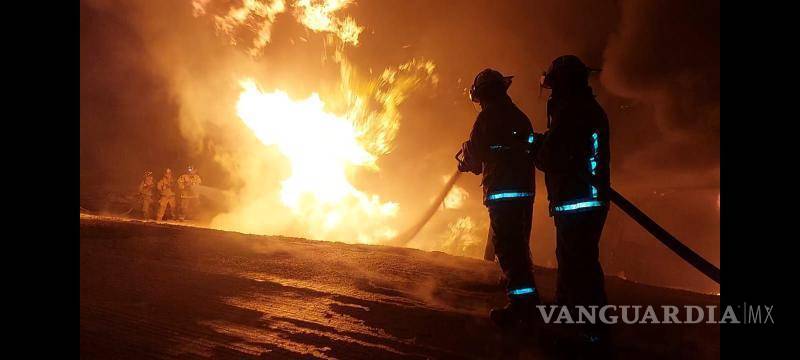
<point>520,312</point>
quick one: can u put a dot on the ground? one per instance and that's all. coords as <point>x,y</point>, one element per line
<point>171,291</point>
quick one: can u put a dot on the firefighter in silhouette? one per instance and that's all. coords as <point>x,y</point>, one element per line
<point>188,187</point>
<point>146,194</point>
<point>499,147</point>
<point>164,187</point>
<point>574,155</point>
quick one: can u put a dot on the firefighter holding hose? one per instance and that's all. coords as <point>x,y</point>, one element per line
<point>499,148</point>
<point>574,155</point>
<point>188,185</point>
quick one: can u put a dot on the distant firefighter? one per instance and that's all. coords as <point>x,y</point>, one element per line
<point>190,197</point>
<point>146,194</point>
<point>167,195</point>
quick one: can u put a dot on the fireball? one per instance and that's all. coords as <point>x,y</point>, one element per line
<point>320,147</point>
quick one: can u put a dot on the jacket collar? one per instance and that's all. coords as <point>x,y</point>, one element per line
<point>501,100</point>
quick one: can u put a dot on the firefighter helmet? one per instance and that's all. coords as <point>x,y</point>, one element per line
<point>566,70</point>
<point>484,81</point>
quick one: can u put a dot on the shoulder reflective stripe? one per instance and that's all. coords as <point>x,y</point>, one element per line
<point>595,150</point>
<point>593,161</point>
<point>522,291</point>
<point>576,206</point>
<point>508,194</point>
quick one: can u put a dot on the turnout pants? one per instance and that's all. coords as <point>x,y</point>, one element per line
<point>509,233</point>
<point>580,276</point>
<point>147,205</point>
<point>162,207</point>
<point>188,206</point>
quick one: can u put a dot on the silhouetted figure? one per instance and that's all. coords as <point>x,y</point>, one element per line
<point>188,185</point>
<point>575,155</point>
<point>146,194</point>
<point>499,148</point>
<point>167,199</point>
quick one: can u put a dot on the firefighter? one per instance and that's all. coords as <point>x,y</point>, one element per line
<point>146,194</point>
<point>188,186</point>
<point>574,155</point>
<point>499,148</point>
<point>167,196</point>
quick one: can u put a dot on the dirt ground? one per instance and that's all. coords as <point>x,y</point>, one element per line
<point>150,290</point>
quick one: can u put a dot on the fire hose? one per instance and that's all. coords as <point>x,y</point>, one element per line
<point>671,242</point>
<point>687,254</point>
<point>405,237</point>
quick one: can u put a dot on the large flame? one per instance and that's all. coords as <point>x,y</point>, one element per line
<point>324,137</point>
<point>323,147</point>
<point>320,147</point>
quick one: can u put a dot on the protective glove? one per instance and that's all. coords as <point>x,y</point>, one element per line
<point>467,162</point>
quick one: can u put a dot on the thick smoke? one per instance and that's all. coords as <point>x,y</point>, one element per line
<point>115,123</point>
<point>665,56</point>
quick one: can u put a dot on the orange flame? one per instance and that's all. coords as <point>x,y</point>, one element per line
<point>320,146</point>
<point>317,16</point>
<point>323,140</point>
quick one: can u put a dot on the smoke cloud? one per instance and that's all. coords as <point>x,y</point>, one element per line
<point>665,56</point>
